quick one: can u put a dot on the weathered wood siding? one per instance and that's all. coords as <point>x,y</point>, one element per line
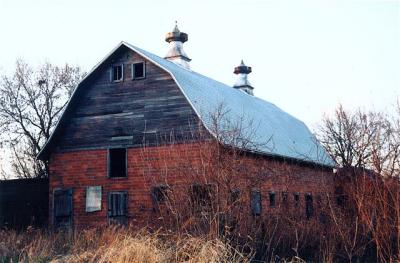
<point>127,113</point>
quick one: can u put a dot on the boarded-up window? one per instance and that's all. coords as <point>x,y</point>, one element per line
<point>117,162</point>
<point>93,198</point>
<point>62,208</point>
<point>309,206</point>
<point>255,202</point>
<point>117,73</point>
<point>117,207</point>
<point>138,70</point>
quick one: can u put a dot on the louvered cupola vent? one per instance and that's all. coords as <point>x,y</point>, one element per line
<point>242,82</point>
<point>176,53</point>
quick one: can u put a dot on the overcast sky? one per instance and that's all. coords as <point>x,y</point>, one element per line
<point>307,56</point>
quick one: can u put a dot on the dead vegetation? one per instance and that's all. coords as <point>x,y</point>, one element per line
<point>359,222</point>
<point>113,244</point>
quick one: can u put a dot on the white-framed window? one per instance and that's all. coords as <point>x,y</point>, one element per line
<point>117,73</point>
<point>138,70</point>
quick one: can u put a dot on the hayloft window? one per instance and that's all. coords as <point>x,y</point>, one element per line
<point>272,199</point>
<point>117,166</point>
<point>201,196</point>
<point>309,206</point>
<point>117,73</point>
<point>159,193</point>
<point>255,202</point>
<point>138,70</point>
<point>117,207</point>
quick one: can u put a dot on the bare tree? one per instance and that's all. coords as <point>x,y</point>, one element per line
<point>361,139</point>
<point>367,145</point>
<point>31,101</point>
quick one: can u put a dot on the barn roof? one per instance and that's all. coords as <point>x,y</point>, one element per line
<point>271,130</point>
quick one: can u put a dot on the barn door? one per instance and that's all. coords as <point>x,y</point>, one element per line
<point>62,209</point>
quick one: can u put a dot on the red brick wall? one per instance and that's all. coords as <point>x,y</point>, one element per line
<point>176,165</point>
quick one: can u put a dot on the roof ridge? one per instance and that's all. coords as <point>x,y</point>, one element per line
<point>204,76</point>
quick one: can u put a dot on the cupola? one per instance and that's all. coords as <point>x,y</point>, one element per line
<point>242,82</point>
<point>176,53</point>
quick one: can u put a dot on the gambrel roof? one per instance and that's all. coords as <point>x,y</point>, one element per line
<point>272,131</point>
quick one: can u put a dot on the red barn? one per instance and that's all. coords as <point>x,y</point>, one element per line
<point>140,127</point>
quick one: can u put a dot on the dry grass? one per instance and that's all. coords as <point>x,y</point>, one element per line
<point>113,245</point>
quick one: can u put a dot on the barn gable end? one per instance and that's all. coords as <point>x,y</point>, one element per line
<point>127,113</point>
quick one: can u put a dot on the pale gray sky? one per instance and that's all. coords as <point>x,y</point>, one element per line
<point>307,56</point>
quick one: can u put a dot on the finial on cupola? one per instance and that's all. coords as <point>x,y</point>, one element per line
<point>242,82</point>
<point>176,53</point>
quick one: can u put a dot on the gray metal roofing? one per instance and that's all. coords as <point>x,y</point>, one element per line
<point>272,131</point>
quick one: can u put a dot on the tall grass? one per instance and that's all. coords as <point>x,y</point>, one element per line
<point>113,244</point>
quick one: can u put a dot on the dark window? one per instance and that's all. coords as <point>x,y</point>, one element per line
<point>62,208</point>
<point>319,201</point>
<point>117,207</point>
<point>309,206</point>
<point>284,197</point>
<point>201,196</point>
<point>117,162</point>
<point>255,203</point>
<point>340,196</point>
<point>159,193</point>
<point>117,73</point>
<point>138,70</point>
<point>296,197</point>
<point>234,196</point>
<point>272,201</point>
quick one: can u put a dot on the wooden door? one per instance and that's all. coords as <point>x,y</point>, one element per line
<point>118,207</point>
<point>62,208</point>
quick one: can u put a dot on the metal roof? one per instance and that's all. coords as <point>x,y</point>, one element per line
<point>272,131</point>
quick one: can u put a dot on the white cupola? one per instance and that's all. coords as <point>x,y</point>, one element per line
<point>242,82</point>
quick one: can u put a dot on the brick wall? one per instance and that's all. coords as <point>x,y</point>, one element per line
<point>179,166</point>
